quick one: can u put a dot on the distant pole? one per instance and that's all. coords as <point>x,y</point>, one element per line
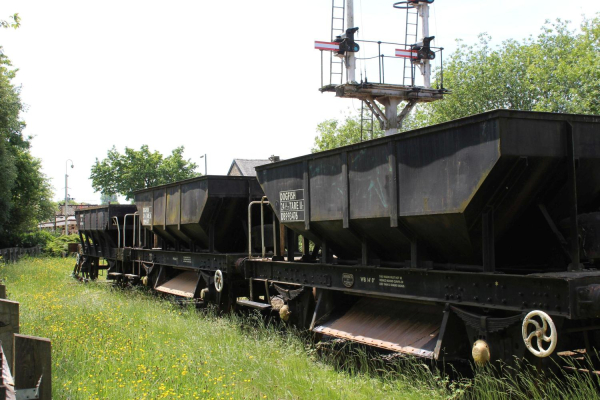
<point>350,58</point>
<point>65,211</point>
<point>205,164</point>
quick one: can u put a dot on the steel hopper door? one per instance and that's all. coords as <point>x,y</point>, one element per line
<point>182,285</point>
<point>409,328</point>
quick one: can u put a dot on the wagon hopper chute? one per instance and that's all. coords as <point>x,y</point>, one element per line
<point>204,214</point>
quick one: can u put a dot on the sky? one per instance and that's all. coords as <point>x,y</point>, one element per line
<point>229,79</point>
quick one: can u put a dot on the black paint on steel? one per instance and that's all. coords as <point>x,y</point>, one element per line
<point>96,223</point>
<point>200,214</point>
<point>365,253</point>
<point>572,189</point>
<point>292,243</point>
<point>439,181</point>
<point>179,213</point>
<point>344,192</point>
<point>190,261</point>
<point>489,259</point>
<point>393,184</point>
<point>306,187</point>
<point>414,253</point>
<point>305,248</point>
<point>555,230</point>
<point>553,293</point>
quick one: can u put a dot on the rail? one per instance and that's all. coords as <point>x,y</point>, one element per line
<point>398,71</point>
<point>262,203</point>
<point>116,222</point>
<point>134,226</point>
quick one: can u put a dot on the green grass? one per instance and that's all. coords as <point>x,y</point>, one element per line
<point>128,344</point>
<point>121,344</point>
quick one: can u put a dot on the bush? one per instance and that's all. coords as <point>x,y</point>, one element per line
<point>36,238</point>
<point>59,244</point>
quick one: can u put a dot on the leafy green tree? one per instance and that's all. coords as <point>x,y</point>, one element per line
<point>31,195</point>
<point>138,169</point>
<point>557,71</point>
<point>333,133</point>
<point>25,192</point>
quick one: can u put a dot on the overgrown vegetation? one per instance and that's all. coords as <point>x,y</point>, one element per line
<point>117,344</point>
<point>25,192</point>
<point>53,245</point>
<point>57,245</point>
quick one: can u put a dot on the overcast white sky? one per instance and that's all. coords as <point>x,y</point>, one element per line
<point>232,79</point>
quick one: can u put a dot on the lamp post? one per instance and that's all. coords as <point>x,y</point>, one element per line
<point>67,194</point>
<point>205,164</point>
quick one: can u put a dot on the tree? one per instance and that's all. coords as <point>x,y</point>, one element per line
<point>15,23</point>
<point>25,192</point>
<point>31,196</point>
<point>557,71</point>
<point>109,198</point>
<point>139,169</point>
<point>333,133</point>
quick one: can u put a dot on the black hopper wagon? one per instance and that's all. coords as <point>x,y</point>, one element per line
<point>102,231</point>
<point>478,237</point>
<point>184,238</point>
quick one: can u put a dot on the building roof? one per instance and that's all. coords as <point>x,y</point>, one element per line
<point>246,167</point>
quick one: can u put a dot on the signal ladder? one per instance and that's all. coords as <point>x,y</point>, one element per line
<point>336,66</point>
<point>410,37</point>
<point>338,16</point>
<point>366,122</point>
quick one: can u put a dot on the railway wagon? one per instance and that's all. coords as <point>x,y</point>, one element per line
<point>473,238</point>
<point>100,232</point>
<point>477,237</point>
<point>201,226</point>
<point>182,238</point>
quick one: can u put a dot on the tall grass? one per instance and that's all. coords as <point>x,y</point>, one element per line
<point>128,344</point>
<point>110,343</point>
<point>524,381</point>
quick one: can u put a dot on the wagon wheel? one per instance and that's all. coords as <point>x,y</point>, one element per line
<point>94,271</point>
<point>544,333</point>
<point>219,281</point>
<point>89,269</point>
<point>86,265</point>
<point>77,268</point>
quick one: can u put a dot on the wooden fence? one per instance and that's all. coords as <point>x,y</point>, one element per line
<point>27,357</point>
<point>12,254</point>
